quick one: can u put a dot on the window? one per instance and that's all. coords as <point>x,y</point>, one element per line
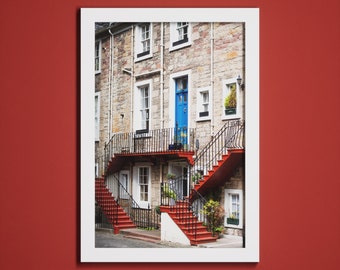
<point>235,205</point>
<point>96,115</point>
<point>97,56</point>
<point>143,176</point>
<point>231,102</point>
<point>142,107</point>
<point>141,184</point>
<point>233,208</point>
<point>143,40</point>
<point>180,35</point>
<point>203,104</point>
<point>96,169</point>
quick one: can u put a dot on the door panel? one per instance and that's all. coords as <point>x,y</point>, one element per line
<point>181,110</point>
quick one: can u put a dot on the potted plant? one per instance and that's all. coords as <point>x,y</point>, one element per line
<point>170,176</point>
<point>168,192</point>
<point>158,210</point>
<point>196,177</point>
<point>214,213</point>
<point>230,101</point>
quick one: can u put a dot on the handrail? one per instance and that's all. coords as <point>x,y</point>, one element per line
<point>158,140</point>
<point>230,136</point>
<point>186,211</point>
<point>143,218</point>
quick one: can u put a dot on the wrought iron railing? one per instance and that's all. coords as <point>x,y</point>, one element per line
<point>101,220</point>
<point>188,213</point>
<point>153,141</point>
<point>147,218</point>
<point>230,136</point>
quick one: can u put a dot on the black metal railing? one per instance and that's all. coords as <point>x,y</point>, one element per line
<point>230,136</point>
<point>101,220</point>
<point>188,214</point>
<point>158,140</point>
<point>146,218</point>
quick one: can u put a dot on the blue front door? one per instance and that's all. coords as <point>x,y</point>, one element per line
<point>181,111</point>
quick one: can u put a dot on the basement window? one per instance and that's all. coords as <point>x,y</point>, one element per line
<point>234,208</point>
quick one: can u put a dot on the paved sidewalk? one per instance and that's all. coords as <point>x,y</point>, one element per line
<point>152,238</point>
<point>227,241</point>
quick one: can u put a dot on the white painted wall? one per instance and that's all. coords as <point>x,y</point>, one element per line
<point>171,232</point>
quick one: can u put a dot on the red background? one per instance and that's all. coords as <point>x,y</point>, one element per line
<point>299,134</point>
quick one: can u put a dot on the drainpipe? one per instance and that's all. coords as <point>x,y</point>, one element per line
<point>110,85</point>
<point>132,76</point>
<point>162,76</point>
<point>243,75</point>
<point>212,126</point>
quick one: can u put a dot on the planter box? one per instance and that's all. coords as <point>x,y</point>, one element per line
<point>175,146</point>
<point>233,221</point>
<point>202,114</point>
<point>228,111</point>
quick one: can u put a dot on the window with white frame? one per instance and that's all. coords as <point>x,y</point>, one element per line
<point>231,101</point>
<point>180,35</point>
<point>143,41</point>
<point>203,104</point>
<point>233,208</point>
<point>96,115</point>
<point>97,56</point>
<point>141,187</point>
<point>143,176</point>
<point>142,107</point>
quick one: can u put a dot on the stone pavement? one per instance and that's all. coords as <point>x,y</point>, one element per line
<point>152,238</point>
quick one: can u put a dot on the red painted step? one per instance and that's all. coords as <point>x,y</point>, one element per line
<point>113,211</point>
<point>196,232</point>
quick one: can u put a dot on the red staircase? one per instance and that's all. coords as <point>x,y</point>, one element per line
<point>223,170</point>
<point>113,211</point>
<point>185,219</point>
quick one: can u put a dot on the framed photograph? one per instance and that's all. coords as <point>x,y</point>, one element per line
<point>169,135</point>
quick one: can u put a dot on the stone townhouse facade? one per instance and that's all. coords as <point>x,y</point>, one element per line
<point>167,77</point>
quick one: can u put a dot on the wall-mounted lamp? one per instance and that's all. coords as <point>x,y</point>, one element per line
<point>239,82</point>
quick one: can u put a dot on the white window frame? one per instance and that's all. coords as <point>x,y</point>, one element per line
<point>136,186</point>
<point>174,37</point>
<point>97,116</point>
<point>201,104</point>
<point>227,207</point>
<point>225,92</point>
<point>98,56</point>
<point>137,123</point>
<point>139,49</point>
<point>96,169</point>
